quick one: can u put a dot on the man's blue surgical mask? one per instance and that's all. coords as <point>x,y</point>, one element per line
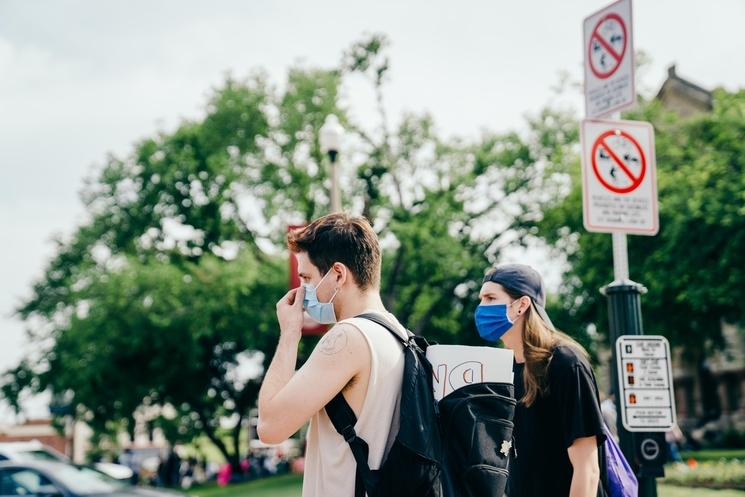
<point>323,312</point>
<point>492,321</point>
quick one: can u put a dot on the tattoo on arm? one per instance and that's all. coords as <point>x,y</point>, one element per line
<point>333,342</point>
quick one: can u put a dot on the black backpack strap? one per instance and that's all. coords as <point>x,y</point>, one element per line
<point>343,418</point>
<point>376,318</point>
<point>417,340</point>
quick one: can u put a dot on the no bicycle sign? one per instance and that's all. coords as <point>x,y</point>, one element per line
<point>619,183</point>
<point>609,60</point>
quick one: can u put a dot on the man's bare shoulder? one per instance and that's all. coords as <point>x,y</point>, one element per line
<point>343,338</point>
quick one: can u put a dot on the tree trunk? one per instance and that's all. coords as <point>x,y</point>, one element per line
<point>389,297</point>
<point>131,428</point>
<point>230,457</point>
<point>236,462</point>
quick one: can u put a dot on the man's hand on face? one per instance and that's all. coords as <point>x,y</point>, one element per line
<point>290,313</point>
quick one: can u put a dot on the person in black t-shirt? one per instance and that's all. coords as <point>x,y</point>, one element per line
<point>558,435</point>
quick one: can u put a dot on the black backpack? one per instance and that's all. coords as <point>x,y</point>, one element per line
<point>457,447</point>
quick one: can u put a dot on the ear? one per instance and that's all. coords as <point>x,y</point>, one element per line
<point>523,306</point>
<point>340,274</point>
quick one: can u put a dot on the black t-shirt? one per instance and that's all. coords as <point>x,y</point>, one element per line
<point>568,410</point>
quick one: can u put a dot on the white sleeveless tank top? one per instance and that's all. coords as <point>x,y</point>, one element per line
<point>329,463</point>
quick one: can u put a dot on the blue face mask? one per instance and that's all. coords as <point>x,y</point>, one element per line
<point>323,312</point>
<point>492,321</point>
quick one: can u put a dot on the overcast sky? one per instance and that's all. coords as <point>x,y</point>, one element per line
<point>80,79</point>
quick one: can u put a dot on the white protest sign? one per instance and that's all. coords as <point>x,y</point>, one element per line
<point>619,182</point>
<point>455,366</point>
<point>609,60</point>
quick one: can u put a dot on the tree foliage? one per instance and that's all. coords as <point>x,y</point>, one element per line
<point>693,267</point>
<point>159,301</point>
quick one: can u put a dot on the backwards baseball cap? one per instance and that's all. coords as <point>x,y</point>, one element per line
<point>524,280</point>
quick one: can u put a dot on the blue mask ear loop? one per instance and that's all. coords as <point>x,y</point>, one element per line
<point>512,321</point>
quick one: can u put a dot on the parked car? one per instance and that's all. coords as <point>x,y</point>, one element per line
<point>59,479</point>
<point>37,451</point>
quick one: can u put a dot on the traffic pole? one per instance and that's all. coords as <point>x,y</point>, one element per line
<point>609,87</point>
<point>625,318</point>
<point>335,191</point>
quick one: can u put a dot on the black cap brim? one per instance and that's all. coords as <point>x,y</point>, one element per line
<point>544,315</point>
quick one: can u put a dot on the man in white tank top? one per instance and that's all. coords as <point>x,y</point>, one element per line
<point>339,266</point>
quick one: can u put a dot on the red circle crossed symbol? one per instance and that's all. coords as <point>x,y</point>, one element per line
<point>603,46</point>
<point>620,166</point>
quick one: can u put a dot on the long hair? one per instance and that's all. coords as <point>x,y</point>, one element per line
<point>539,342</point>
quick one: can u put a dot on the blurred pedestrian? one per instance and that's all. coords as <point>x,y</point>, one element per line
<point>674,437</point>
<point>224,475</point>
<point>608,407</point>
<point>128,459</point>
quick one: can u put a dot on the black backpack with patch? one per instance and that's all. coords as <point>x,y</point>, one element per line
<point>458,447</point>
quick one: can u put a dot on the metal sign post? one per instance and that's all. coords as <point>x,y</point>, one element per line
<point>625,319</point>
<point>620,197</point>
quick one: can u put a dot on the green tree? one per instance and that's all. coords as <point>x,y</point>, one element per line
<point>159,296</point>
<point>154,303</point>
<point>693,267</point>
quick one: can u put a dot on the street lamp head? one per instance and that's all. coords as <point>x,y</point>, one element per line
<point>330,135</point>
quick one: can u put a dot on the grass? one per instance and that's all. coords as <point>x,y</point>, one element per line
<point>278,486</point>
<point>714,455</point>
<point>290,486</point>
<point>673,491</point>
<point>724,473</point>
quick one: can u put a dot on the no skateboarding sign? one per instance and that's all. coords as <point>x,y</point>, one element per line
<point>607,47</point>
<point>619,177</point>
<point>609,60</point>
<point>622,166</point>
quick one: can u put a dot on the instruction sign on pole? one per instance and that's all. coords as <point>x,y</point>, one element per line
<point>645,382</point>
<point>609,60</point>
<point>619,183</point>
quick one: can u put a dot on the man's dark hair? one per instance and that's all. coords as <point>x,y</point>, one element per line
<point>341,238</point>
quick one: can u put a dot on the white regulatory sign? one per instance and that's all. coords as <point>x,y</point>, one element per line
<point>609,60</point>
<point>646,383</point>
<point>619,183</point>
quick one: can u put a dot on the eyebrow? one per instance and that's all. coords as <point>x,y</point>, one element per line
<point>487,294</point>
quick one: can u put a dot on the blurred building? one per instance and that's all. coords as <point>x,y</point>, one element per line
<point>41,430</point>
<point>684,97</point>
<point>75,439</point>
<point>713,392</point>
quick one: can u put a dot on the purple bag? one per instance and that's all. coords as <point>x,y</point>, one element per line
<point>622,481</point>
